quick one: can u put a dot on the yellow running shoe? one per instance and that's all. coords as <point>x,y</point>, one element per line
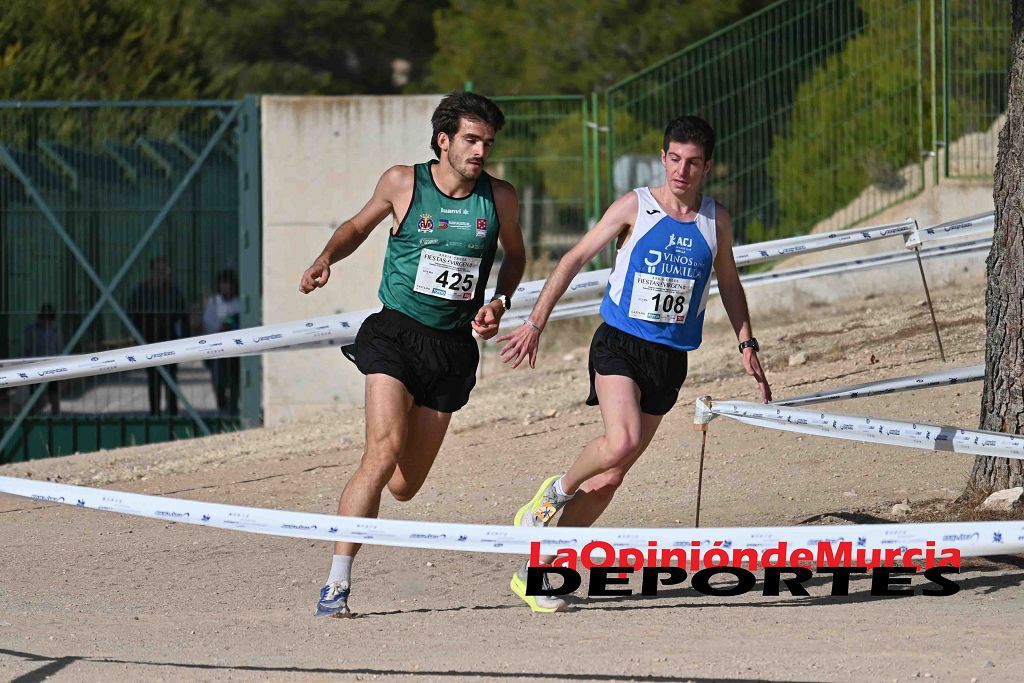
<point>537,603</point>
<point>544,506</point>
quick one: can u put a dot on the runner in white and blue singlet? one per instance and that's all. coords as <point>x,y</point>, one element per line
<point>669,238</point>
<point>659,287</point>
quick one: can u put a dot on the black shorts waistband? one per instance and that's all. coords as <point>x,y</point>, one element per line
<point>639,341</point>
<point>402,320</point>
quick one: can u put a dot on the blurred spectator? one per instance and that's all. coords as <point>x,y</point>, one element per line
<point>42,338</point>
<point>160,312</point>
<point>222,313</point>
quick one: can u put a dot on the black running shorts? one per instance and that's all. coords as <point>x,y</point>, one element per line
<point>657,369</point>
<point>438,367</point>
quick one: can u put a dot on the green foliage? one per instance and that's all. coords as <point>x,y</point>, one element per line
<point>100,49</point>
<point>979,31</point>
<point>178,49</point>
<point>562,181</point>
<point>528,47</point>
<point>855,122</point>
<point>318,47</point>
<point>187,49</point>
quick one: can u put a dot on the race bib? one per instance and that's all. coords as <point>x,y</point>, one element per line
<point>660,299</point>
<point>447,276</point>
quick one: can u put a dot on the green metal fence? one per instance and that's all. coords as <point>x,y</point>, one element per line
<point>115,223</point>
<point>976,59</point>
<point>818,107</point>
<point>547,150</point>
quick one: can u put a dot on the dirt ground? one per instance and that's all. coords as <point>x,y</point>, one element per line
<point>88,595</point>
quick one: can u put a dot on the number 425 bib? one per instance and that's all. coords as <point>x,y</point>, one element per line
<point>660,299</point>
<point>447,276</point>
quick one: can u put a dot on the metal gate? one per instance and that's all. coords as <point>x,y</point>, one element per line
<point>976,58</point>
<point>548,150</point>
<point>119,221</point>
<point>817,105</point>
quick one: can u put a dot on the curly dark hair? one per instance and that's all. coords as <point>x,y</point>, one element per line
<point>463,105</point>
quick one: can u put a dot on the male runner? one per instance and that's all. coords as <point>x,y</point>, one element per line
<point>669,237</point>
<point>418,353</point>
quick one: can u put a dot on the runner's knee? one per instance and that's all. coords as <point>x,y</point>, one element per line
<point>384,447</point>
<point>619,447</point>
<point>379,465</point>
<point>403,490</point>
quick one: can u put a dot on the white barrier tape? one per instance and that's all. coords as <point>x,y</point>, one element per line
<point>970,538</point>
<point>593,306</point>
<point>941,378</point>
<point>972,225</point>
<point>575,309</point>
<point>876,261</point>
<point>341,329</point>
<point>594,282</point>
<point>16,362</point>
<point>750,254</point>
<point>587,283</point>
<point>874,429</point>
<point>703,414</point>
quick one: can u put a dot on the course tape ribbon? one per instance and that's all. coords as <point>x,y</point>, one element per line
<point>593,306</point>
<point>866,429</point>
<point>972,225</point>
<point>941,378</point>
<point>594,282</point>
<point>970,538</point>
<point>341,329</point>
<point>749,254</point>
<point>875,261</point>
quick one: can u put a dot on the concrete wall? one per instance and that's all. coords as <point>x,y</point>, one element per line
<point>321,159</point>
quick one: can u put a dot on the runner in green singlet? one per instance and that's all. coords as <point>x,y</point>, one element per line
<point>418,353</point>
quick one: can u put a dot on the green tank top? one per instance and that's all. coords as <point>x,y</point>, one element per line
<point>438,261</point>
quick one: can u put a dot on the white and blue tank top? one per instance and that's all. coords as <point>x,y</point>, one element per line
<point>658,289</point>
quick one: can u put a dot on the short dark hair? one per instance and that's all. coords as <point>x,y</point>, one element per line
<point>227,276</point>
<point>463,105</point>
<point>691,129</point>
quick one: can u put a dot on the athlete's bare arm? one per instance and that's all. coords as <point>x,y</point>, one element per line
<point>392,188</point>
<point>616,221</point>
<point>734,300</point>
<point>513,263</point>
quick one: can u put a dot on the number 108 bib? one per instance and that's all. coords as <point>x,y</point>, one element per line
<point>660,299</point>
<point>447,276</point>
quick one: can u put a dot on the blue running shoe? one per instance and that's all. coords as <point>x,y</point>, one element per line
<point>334,601</point>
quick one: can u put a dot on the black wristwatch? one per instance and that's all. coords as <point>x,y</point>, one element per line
<point>505,299</point>
<point>750,344</point>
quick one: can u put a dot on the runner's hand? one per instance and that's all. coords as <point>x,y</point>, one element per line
<point>753,367</point>
<point>315,276</point>
<point>485,324</point>
<point>521,344</point>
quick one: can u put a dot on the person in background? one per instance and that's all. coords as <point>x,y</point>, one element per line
<point>221,314</point>
<point>42,338</point>
<point>159,311</point>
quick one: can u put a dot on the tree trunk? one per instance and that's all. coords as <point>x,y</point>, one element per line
<point>1002,401</point>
